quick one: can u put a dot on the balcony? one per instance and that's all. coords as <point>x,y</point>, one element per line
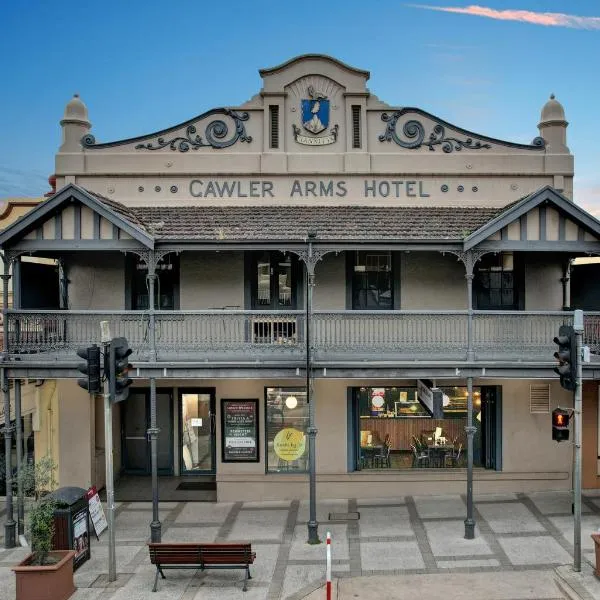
<point>235,335</point>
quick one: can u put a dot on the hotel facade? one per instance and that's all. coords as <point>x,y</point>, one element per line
<point>314,249</point>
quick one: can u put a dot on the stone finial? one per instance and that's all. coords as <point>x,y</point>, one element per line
<point>552,110</point>
<point>553,126</point>
<point>75,125</point>
<point>52,182</point>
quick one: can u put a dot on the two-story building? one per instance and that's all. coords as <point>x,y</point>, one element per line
<point>412,272</point>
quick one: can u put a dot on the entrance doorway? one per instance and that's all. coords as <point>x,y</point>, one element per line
<point>198,429</point>
<point>136,421</point>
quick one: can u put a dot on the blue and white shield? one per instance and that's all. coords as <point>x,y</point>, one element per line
<point>315,114</point>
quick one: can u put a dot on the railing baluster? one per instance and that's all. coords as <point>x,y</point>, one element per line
<point>411,335</point>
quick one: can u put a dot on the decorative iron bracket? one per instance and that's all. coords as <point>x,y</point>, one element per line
<point>469,258</point>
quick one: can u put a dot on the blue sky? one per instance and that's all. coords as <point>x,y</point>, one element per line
<point>141,66</point>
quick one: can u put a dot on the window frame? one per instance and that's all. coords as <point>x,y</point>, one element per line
<point>285,389</point>
<point>518,279</point>
<point>351,291</point>
<point>131,287</point>
<point>252,259</point>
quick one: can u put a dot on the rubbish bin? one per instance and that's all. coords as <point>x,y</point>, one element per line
<point>71,523</point>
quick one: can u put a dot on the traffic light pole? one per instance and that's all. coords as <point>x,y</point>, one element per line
<point>108,448</point>
<point>578,328</point>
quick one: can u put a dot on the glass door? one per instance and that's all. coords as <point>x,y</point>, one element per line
<point>197,409</point>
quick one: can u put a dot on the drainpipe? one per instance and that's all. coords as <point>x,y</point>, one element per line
<point>155,525</point>
<point>313,525</point>
<point>10,525</point>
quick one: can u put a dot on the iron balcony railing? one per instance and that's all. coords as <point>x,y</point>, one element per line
<point>246,335</point>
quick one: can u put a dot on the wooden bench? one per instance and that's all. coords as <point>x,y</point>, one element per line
<point>174,555</point>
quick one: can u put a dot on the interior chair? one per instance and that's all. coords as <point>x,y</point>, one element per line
<point>420,458</point>
<point>453,457</point>
<point>382,458</point>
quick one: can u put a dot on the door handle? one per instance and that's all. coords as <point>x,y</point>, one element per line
<point>212,424</point>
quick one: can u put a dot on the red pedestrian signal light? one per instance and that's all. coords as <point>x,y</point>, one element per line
<point>560,424</point>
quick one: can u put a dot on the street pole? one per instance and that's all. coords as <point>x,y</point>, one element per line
<point>578,328</point>
<point>470,521</point>
<point>313,525</point>
<point>109,380</point>
<point>19,442</point>
<point>155,526</point>
<point>10,538</point>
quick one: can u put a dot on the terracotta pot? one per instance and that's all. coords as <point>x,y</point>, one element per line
<point>47,582</point>
<point>596,538</point>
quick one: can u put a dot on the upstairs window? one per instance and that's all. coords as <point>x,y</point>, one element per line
<point>494,282</point>
<point>372,281</point>
<point>166,284</point>
<point>274,281</point>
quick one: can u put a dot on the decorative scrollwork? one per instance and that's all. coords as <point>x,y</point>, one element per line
<point>88,140</point>
<point>215,133</point>
<point>415,131</point>
<point>414,135</point>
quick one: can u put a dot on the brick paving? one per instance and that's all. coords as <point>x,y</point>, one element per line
<point>406,537</point>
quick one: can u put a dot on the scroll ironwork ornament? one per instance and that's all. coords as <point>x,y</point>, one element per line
<point>415,133</point>
<point>216,133</point>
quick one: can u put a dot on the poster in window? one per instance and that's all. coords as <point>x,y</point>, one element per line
<point>239,427</point>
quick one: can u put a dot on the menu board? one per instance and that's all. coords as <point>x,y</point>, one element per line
<point>239,426</point>
<point>96,511</point>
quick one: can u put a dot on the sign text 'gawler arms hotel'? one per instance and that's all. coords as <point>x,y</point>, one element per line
<point>311,188</point>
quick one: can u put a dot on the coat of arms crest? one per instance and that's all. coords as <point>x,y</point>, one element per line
<point>315,119</point>
<point>315,111</point>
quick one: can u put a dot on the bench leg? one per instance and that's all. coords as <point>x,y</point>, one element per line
<point>158,571</point>
<point>245,588</point>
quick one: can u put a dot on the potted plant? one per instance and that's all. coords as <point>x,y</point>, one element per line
<point>45,574</point>
<point>596,538</point>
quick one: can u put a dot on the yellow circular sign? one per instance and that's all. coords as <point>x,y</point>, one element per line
<point>289,444</point>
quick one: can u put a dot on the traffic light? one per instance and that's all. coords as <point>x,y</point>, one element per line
<point>567,357</point>
<point>119,369</point>
<point>90,368</point>
<point>560,425</point>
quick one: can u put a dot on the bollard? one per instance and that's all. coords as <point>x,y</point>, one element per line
<point>328,571</point>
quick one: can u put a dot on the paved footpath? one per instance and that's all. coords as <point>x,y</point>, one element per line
<point>411,547</point>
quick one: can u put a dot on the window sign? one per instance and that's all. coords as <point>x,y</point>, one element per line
<point>286,413</point>
<point>239,424</point>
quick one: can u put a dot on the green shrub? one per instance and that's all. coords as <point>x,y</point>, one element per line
<point>38,480</point>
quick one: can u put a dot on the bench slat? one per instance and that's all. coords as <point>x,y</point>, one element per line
<point>201,553</point>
